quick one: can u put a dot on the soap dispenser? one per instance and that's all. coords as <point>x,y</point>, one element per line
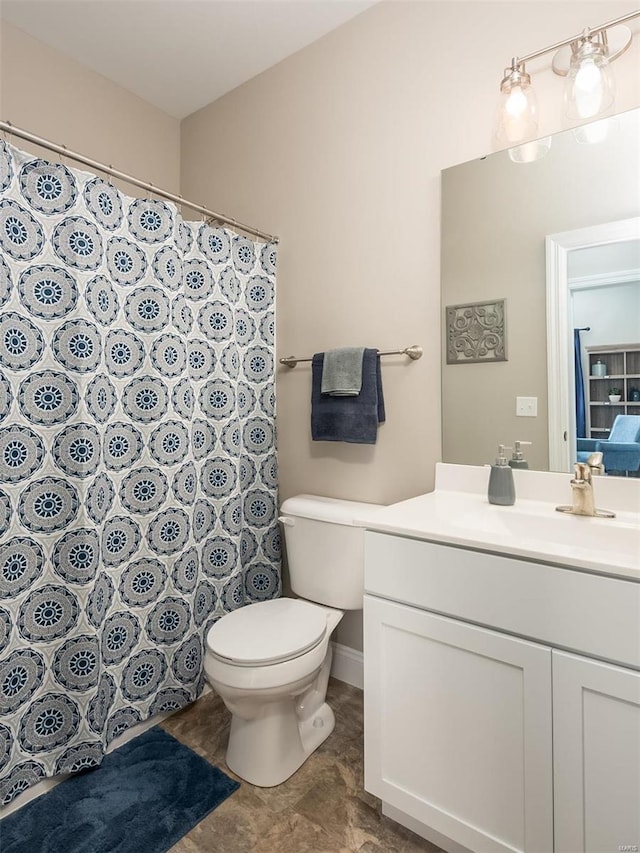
<point>518,460</point>
<point>501,488</point>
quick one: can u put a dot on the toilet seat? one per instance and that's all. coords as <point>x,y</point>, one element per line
<point>268,632</point>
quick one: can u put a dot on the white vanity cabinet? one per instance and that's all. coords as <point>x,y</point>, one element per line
<point>490,724</point>
<point>596,755</point>
<point>458,727</point>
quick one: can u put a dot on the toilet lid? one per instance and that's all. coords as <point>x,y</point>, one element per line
<point>268,632</point>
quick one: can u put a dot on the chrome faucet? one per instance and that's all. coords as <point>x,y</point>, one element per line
<point>582,486</point>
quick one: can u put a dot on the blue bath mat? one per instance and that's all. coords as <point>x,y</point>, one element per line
<point>142,799</point>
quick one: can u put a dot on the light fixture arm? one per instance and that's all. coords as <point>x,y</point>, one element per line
<point>573,39</point>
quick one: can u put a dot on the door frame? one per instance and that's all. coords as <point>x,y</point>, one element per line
<point>560,376</point>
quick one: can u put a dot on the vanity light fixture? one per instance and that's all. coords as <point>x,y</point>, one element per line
<point>594,132</point>
<point>585,60</point>
<point>529,152</point>
<point>518,115</point>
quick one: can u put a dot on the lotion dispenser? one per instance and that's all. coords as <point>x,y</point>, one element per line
<point>518,460</point>
<point>501,487</point>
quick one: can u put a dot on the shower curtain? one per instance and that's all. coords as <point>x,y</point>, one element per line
<point>138,469</point>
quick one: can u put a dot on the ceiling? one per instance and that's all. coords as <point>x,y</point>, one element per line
<point>179,54</point>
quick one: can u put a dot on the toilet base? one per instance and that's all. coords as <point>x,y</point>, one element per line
<point>279,714</point>
<point>267,750</point>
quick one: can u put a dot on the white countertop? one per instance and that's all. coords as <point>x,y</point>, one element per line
<point>531,529</point>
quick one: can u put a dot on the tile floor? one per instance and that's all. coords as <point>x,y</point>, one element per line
<point>323,808</point>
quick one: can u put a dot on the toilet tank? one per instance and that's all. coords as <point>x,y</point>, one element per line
<point>325,548</point>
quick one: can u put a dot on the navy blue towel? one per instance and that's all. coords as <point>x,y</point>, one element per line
<point>352,419</point>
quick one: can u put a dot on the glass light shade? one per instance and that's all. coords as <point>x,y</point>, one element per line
<point>529,152</point>
<point>517,111</point>
<point>591,134</point>
<point>590,85</point>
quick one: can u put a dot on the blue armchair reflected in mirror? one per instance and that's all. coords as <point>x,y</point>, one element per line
<point>621,451</point>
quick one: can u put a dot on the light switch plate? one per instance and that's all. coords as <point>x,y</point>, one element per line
<point>526,407</point>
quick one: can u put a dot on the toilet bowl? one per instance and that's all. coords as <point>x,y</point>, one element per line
<point>270,665</point>
<point>270,661</point>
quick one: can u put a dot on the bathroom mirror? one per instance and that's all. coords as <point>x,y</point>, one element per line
<point>497,214</point>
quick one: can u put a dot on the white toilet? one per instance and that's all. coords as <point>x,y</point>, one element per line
<point>270,661</point>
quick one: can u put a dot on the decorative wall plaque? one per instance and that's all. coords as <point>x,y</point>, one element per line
<point>476,332</point>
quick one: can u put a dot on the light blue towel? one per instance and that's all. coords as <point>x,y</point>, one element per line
<point>342,372</point>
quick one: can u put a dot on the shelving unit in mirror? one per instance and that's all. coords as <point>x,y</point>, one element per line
<point>622,370</point>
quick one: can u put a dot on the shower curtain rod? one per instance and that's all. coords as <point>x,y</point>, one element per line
<point>211,215</point>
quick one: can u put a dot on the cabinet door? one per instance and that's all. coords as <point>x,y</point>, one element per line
<point>458,728</point>
<point>596,741</point>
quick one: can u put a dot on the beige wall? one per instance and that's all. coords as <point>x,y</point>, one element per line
<point>495,216</point>
<point>59,99</point>
<point>338,150</point>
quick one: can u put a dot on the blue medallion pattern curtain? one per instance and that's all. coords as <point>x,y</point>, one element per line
<point>138,468</point>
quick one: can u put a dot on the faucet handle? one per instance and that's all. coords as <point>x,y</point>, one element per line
<point>595,463</point>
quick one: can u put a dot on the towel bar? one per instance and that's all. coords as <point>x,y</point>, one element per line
<point>414,352</point>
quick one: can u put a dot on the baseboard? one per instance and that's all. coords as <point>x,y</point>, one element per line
<point>348,665</point>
